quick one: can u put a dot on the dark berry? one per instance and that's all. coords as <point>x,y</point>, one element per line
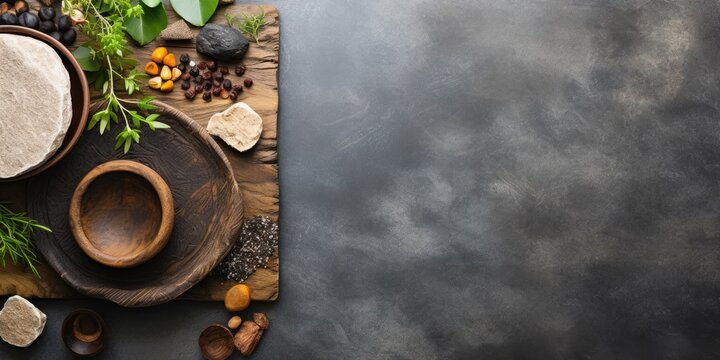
<point>198,79</point>
<point>208,85</point>
<point>28,19</point>
<point>233,95</point>
<point>227,85</point>
<point>68,38</point>
<point>207,96</point>
<point>216,91</point>
<point>219,76</point>
<point>185,58</point>
<point>238,88</point>
<point>207,75</point>
<point>186,77</point>
<point>199,88</point>
<point>248,83</point>
<point>64,24</point>
<point>240,70</point>
<point>212,65</point>
<point>47,13</point>
<point>202,65</point>
<point>185,85</point>
<point>182,67</point>
<point>190,94</point>
<point>224,70</point>
<point>194,71</point>
<point>56,35</point>
<point>47,26</point>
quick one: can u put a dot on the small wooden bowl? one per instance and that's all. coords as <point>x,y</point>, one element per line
<point>121,213</point>
<point>216,342</point>
<point>79,92</point>
<point>83,332</point>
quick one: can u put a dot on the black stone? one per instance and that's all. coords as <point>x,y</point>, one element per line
<point>8,19</point>
<point>46,13</point>
<point>68,38</point>
<point>29,19</point>
<point>64,23</point>
<point>47,26</point>
<point>221,42</point>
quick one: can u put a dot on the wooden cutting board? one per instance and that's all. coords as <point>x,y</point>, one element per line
<point>256,170</point>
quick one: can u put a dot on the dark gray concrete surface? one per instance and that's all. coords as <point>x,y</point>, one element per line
<point>482,179</point>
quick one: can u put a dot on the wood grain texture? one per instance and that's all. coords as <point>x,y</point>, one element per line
<point>208,213</point>
<point>256,171</point>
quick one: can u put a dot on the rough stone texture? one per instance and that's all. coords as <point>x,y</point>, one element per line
<point>178,30</point>
<point>239,126</point>
<point>35,104</point>
<point>483,179</point>
<point>21,322</point>
<point>221,42</point>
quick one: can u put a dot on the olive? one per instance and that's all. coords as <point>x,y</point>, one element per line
<point>47,26</point>
<point>68,38</point>
<point>56,35</point>
<point>227,85</point>
<point>47,13</point>
<point>8,19</point>
<point>64,23</point>
<point>28,19</point>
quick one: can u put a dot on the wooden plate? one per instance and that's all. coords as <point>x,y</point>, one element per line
<point>208,212</point>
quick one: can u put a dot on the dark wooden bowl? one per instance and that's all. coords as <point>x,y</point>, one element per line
<point>122,213</point>
<point>83,332</point>
<point>216,342</point>
<point>79,92</point>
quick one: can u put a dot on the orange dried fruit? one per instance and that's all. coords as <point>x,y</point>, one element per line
<point>159,54</point>
<point>168,86</point>
<point>169,60</point>
<point>151,68</point>
<point>165,73</point>
<point>237,298</point>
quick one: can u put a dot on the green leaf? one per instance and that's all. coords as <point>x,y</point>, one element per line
<point>128,142</point>
<point>146,27</point>
<point>151,3</point>
<point>160,125</point>
<point>196,12</point>
<point>85,59</point>
<point>152,118</point>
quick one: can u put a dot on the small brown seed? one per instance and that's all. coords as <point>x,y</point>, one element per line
<point>219,76</point>
<point>216,91</point>
<point>185,85</point>
<point>240,70</point>
<point>224,94</point>
<point>190,94</point>
<point>202,65</point>
<point>207,75</point>
<point>224,70</point>
<point>234,322</point>
<point>199,88</point>
<point>207,96</point>
<point>248,83</point>
<point>186,77</point>
<point>212,65</point>
<point>227,84</point>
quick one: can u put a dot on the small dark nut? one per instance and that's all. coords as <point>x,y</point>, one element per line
<point>208,85</point>
<point>217,83</point>
<point>187,77</point>
<point>233,95</point>
<point>207,75</point>
<point>216,91</point>
<point>240,70</point>
<point>219,76</point>
<point>202,65</point>
<point>199,88</point>
<point>68,38</point>
<point>198,79</point>
<point>47,26</point>
<point>56,35</point>
<point>194,71</point>
<point>212,65</point>
<point>248,83</point>
<point>224,70</point>
<point>227,84</point>
<point>238,88</point>
<point>185,59</point>
<point>190,94</point>
<point>28,19</point>
<point>182,67</point>
<point>185,85</point>
<point>207,96</point>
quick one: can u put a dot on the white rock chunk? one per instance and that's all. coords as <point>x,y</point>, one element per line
<point>239,126</point>
<point>21,322</point>
<point>35,104</point>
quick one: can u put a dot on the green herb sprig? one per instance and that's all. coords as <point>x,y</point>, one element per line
<point>249,24</point>
<point>15,231</point>
<point>107,61</point>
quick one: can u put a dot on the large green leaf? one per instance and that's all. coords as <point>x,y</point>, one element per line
<point>152,3</point>
<point>85,59</point>
<point>148,26</point>
<point>196,12</point>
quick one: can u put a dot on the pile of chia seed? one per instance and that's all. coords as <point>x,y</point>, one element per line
<point>253,249</point>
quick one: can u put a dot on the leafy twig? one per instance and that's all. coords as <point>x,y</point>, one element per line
<point>15,231</point>
<point>250,24</point>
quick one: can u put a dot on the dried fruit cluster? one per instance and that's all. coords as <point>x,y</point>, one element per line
<point>47,20</point>
<point>165,70</point>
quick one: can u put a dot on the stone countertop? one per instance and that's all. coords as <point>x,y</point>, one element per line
<point>481,179</point>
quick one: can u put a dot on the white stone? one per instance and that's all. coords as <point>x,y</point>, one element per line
<point>21,322</point>
<point>35,104</point>
<point>239,126</point>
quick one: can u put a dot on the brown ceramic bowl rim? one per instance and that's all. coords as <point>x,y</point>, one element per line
<point>82,123</point>
<point>162,233</point>
<point>66,324</point>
